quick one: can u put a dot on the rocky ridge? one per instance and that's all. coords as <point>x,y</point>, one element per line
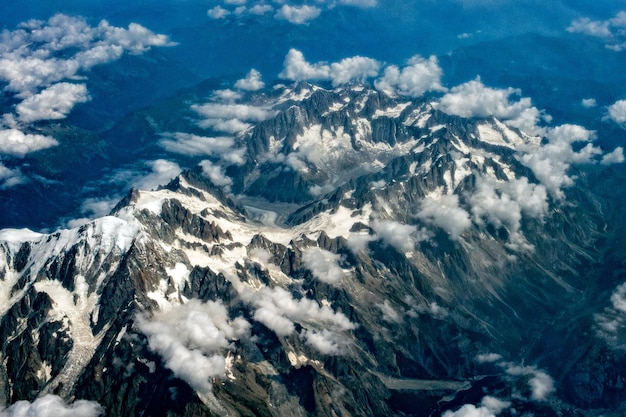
<point>428,265</point>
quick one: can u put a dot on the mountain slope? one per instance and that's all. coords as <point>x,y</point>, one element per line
<point>362,255</point>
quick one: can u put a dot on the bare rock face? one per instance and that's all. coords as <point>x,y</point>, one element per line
<point>424,267</point>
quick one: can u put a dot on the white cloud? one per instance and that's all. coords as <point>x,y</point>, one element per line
<point>297,14</point>
<point>617,112</point>
<point>192,339</point>
<point>354,69</point>
<point>260,9</point>
<point>216,174</point>
<point>403,237</point>
<point>217,12</point>
<point>612,30</point>
<point>278,310</point>
<point>296,68</point>
<point>11,177</point>
<point>252,81</point>
<point>163,171</point>
<point>55,102</point>
<point>17,143</point>
<point>194,145</point>
<point>229,117</point>
<point>444,211</point>
<point>325,341</point>
<point>39,53</point>
<point>52,406</point>
<point>390,315</point>
<point>551,161</point>
<point>540,383</point>
<point>614,157</point>
<point>419,76</point>
<point>235,2</point>
<point>488,357</point>
<point>226,95</point>
<point>489,407</point>
<point>474,99</point>
<point>324,265</point>
<point>359,3</point>
<point>589,103</point>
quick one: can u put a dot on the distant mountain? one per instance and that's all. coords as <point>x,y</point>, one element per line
<point>350,254</point>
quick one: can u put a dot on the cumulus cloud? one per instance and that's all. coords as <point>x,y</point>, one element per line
<point>612,321</point>
<point>260,9</point>
<point>278,310</point>
<point>11,177</point>
<point>489,407</point>
<point>352,69</point>
<point>389,314</point>
<point>325,341</point>
<point>55,102</point>
<point>40,53</point>
<point>17,143</point>
<point>324,265</point>
<point>217,12</point>
<point>617,112</point>
<point>612,30</point>
<point>192,339</point>
<point>488,357</point>
<point>222,147</point>
<point>474,99</point>
<point>162,172</point>
<point>417,77</point>
<point>589,103</point>
<point>216,174</point>
<point>230,117</point>
<point>614,157</point>
<point>252,81</point>
<point>503,203</point>
<point>444,211</point>
<point>359,3</point>
<point>403,237</point>
<point>297,14</point>
<point>52,406</point>
<point>540,383</point>
<point>551,161</point>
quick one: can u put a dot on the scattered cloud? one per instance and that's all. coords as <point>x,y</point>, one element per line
<point>612,30</point>
<point>416,78</point>
<point>610,324</point>
<point>14,142</point>
<point>192,339</point>
<point>488,357</point>
<point>589,103</point>
<point>297,14</point>
<point>324,341</point>
<point>324,265</point>
<point>55,102</point>
<point>162,172</point>
<point>617,112</point>
<point>403,237</point>
<point>389,314</point>
<point>551,161</point>
<point>489,407</point>
<point>278,310</point>
<point>217,12</point>
<point>39,53</point>
<point>614,157</point>
<point>359,3</point>
<point>474,99</point>
<point>444,211</point>
<point>353,69</point>
<point>222,147</point>
<point>216,174</point>
<point>230,117</point>
<point>252,81</point>
<point>540,383</point>
<point>260,9</point>
<point>52,406</point>
<point>10,178</point>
